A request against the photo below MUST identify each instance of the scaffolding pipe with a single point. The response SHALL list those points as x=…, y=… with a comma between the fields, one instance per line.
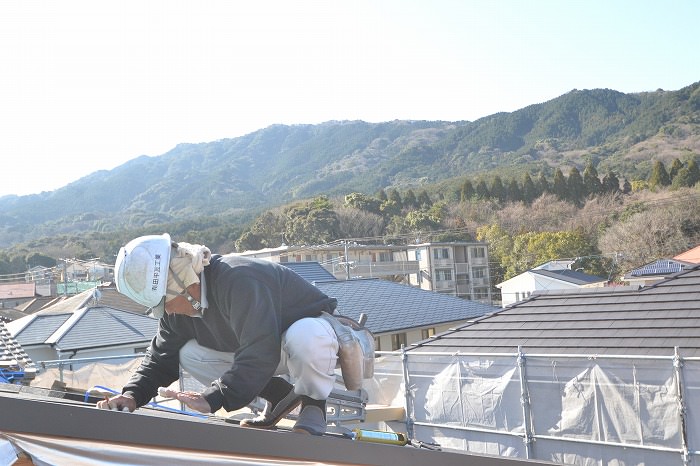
x=525, y=403
x=678, y=372
x=407, y=393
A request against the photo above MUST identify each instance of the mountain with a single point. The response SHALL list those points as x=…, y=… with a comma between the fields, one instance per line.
x=278, y=164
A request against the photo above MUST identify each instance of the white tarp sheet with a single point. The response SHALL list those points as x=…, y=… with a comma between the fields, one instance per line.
x=61, y=451
x=581, y=410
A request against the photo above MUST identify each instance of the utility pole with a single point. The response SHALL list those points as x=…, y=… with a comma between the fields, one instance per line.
x=347, y=261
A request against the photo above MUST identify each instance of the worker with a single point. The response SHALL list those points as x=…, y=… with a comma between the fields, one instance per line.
x=243, y=327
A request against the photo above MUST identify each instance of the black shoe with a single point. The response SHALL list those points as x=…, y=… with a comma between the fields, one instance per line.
x=281, y=400
x=312, y=419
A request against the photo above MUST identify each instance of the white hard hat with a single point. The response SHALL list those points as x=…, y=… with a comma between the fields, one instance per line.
x=141, y=271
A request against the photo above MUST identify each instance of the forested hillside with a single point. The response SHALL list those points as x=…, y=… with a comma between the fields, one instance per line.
x=401, y=179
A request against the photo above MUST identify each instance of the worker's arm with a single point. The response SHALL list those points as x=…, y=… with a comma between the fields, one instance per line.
x=118, y=403
x=160, y=366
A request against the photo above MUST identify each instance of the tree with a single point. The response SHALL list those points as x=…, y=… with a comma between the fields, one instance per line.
x=575, y=185
x=656, y=232
x=530, y=192
x=395, y=197
x=482, y=191
x=356, y=223
x=543, y=186
x=532, y=249
x=312, y=222
x=659, y=176
x=381, y=195
x=693, y=172
x=424, y=200
x=515, y=194
x=626, y=187
x=591, y=182
x=559, y=187
x=467, y=192
x=363, y=202
x=500, y=243
x=611, y=183
x=36, y=259
x=676, y=166
x=497, y=190
x=409, y=200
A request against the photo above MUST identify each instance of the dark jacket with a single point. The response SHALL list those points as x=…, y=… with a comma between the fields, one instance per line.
x=251, y=303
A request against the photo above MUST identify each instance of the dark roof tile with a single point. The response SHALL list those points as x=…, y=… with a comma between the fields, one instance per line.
x=615, y=321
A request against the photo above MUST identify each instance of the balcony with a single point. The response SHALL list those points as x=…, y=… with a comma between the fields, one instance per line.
x=444, y=285
x=373, y=269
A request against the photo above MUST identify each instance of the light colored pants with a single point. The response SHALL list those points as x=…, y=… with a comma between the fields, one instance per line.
x=309, y=355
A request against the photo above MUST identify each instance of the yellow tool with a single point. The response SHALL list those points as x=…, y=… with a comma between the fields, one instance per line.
x=376, y=436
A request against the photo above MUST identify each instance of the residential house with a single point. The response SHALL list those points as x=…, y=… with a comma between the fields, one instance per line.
x=655, y=272
x=575, y=376
x=84, y=326
x=13, y=295
x=8, y=315
x=15, y=364
x=692, y=255
x=455, y=268
x=553, y=275
x=397, y=314
x=345, y=259
x=43, y=278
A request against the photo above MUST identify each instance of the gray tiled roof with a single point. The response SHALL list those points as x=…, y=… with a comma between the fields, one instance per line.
x=36, y=329
x=611, y=320
x=310, y=271
x=11, y=350
x=91, y=327
x=569, y=276
x=102, y=326
x=391, y=307
x=107, y=296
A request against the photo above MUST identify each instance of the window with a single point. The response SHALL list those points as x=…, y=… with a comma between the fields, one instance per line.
x=397, y=341
x=377, y=344
x=384, y=257
x=479, y=272
x=427, y=333
x=481, y=293
x=418, y=254
x=441, y=253
x=479, y=252
x=443, y=274
x=140, y=350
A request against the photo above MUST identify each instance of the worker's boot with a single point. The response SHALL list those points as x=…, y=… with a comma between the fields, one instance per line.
x=312, y=418
x=281, y=399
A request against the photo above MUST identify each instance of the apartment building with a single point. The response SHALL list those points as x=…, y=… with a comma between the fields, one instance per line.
x=455, y=268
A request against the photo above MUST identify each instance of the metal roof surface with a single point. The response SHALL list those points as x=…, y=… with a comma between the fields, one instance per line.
x=310, y=271
x=613, y=320
x=103, y=326
x=391, y=307
x=569, y=276
x=91, y=327
x=161, y=437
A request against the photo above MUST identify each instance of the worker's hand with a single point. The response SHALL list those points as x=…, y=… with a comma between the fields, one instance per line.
x=193, y=400
x=119, y=403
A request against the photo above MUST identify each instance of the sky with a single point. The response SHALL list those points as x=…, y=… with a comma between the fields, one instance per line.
x=88, y=85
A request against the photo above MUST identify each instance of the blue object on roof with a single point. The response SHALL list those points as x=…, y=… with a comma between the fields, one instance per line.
x=660, y=267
